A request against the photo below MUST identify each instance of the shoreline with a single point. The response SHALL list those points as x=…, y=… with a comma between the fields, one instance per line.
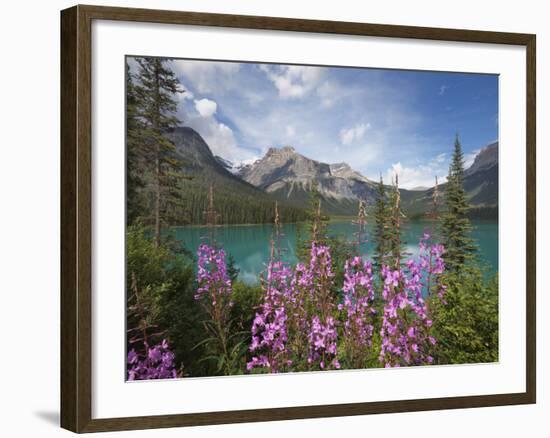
x=335, y=219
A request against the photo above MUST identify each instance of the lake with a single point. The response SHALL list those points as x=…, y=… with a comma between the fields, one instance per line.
x=250, y=244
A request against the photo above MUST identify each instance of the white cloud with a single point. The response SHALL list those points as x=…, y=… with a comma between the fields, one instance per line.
x=253, y=98
x=290, y=131
x=206, y=107
x=327, y=92
x=220, y=138
x=206, y=77
x=293, y=81
x=441, y=158
x=361, y=157
x=442, y=89
x=187, y=94
x=357, y=132
x=422, y=175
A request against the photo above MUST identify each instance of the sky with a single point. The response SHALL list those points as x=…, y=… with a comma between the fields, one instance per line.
x=379, y=121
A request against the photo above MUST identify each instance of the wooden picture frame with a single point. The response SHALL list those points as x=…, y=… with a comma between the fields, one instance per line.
x=76, y=217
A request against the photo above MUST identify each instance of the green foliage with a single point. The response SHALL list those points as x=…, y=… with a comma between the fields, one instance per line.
x=232, y=270
x=225, y=349
x=483, y=213
x=166, y=286
x=246, y=299
x=467, y=325
x=233, y=205
x=456, y=227
x=225, y=352
x=371, y=358
x=340, y=251
x=135, y=181
x=152, y=104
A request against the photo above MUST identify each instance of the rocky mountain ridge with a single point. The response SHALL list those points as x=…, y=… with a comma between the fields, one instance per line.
x=285, y=174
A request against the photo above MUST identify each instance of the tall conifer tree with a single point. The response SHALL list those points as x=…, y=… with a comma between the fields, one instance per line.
x=433, y=215
x=396, y=216
x=381, y=225
x=360, y=235
x=316, y=226
x=134, y=150
x=157, y=89
x=456, y=227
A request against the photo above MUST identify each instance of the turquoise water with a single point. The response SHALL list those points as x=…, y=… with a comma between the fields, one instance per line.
x=250, y=244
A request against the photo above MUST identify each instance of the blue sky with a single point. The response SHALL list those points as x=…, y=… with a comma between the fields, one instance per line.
x=378, y=121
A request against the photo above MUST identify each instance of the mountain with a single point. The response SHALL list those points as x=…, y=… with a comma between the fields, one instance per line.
x=202, y=164
x=480, y=184
x=285, y=175
x=236, y=200
x=194, y=152
x=228, y=165
x=485, y=159
x=288, y=175
x=233, y=167
x=481, y=178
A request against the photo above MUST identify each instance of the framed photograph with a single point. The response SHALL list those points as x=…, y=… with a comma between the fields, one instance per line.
x=269, y=218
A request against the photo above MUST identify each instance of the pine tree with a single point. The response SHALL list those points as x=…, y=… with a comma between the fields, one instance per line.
x=277, y=248
x=211, y=216
x=156, y=91
x=360, y=235
x=456, y=227
x=433, y=214
x=232, y=270
x=395, y=242
x=134, y=150
x=316, y=226
x=381, y=226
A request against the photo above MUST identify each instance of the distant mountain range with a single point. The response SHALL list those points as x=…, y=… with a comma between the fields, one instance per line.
x=199, y=161
x=480, y=184
x=481, y=180
x=236, y=201
x=288, y=176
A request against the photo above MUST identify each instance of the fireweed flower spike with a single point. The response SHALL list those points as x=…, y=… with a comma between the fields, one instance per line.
x=406, y=324
x=322, y=338
x=215, y=293
x=269, y=330
x=296, y=326
x=321, y=325
x=298, y=303
x=212, y=275
x=321, y=276
x=300, y=327
x=158, y=363
x=358, y=311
